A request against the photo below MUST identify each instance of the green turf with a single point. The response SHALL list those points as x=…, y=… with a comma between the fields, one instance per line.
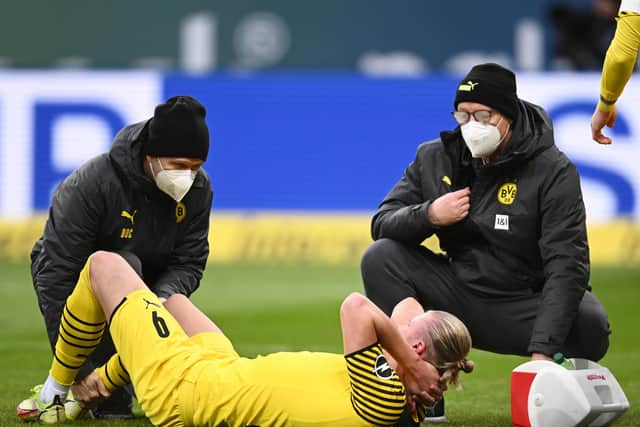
x=271, y=308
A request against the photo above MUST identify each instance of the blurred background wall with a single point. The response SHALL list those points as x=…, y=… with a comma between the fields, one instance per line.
x=315, y=108
x=375, y=36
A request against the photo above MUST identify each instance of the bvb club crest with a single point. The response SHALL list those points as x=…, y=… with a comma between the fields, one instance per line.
x=507, y=193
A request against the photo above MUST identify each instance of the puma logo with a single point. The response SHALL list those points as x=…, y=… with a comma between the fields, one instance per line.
x=149, y=303
x=468, y=86
x=129, y=216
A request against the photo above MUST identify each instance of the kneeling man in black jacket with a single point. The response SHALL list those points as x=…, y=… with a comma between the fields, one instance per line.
x=148, y=199
x=507, y=209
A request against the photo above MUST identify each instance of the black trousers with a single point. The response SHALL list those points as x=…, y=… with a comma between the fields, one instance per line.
x=392, y=271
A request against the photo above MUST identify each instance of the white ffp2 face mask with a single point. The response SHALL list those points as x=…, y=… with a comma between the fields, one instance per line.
x=481, y=139
x=175, y=182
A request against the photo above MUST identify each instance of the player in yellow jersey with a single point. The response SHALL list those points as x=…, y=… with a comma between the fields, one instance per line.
x=618, y=66
x=186, y=372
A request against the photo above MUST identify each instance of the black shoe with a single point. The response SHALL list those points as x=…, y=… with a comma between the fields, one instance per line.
x=435, y=414
x=118, y=406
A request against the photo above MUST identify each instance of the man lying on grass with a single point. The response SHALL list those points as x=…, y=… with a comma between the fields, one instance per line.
x=186, y=372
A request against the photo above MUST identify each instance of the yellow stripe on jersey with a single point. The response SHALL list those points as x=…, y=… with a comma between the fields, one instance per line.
x=377, y=394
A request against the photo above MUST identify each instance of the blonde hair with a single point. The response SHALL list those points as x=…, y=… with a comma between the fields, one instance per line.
x=450, y=346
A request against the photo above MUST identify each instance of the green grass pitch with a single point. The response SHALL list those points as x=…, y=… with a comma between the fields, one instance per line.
x=295, y=307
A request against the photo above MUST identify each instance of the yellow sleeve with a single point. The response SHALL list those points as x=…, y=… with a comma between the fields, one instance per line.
x=620, y=60
x=377, y=394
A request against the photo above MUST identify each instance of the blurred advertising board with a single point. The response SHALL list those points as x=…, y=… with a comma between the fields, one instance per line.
x=309, y=147
x=374, y=36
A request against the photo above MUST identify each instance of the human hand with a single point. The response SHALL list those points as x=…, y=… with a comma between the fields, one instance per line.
x=539, y=356
x=90, y=390
x=450, y=208
x=423, y=384
x=599, y=120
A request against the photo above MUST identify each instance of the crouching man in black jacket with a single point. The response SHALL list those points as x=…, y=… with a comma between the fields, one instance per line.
x=149, y=200
x=507, y=209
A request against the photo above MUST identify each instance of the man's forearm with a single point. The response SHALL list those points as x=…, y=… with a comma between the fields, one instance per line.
x=619, y=61
x=409, y=223
x=363, y=324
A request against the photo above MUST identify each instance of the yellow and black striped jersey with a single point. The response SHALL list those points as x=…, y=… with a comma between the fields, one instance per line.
x=300, y=389
x=202, y=381
x=377, y=395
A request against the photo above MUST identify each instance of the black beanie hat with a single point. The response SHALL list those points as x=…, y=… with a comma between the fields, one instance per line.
x=178, y=129
x=491, y=85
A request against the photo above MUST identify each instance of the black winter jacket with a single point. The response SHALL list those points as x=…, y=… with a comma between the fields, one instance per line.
x=110, y=204
x=525, y=231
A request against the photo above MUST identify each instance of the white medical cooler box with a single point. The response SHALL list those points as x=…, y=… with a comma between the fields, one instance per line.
x=546, y=394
